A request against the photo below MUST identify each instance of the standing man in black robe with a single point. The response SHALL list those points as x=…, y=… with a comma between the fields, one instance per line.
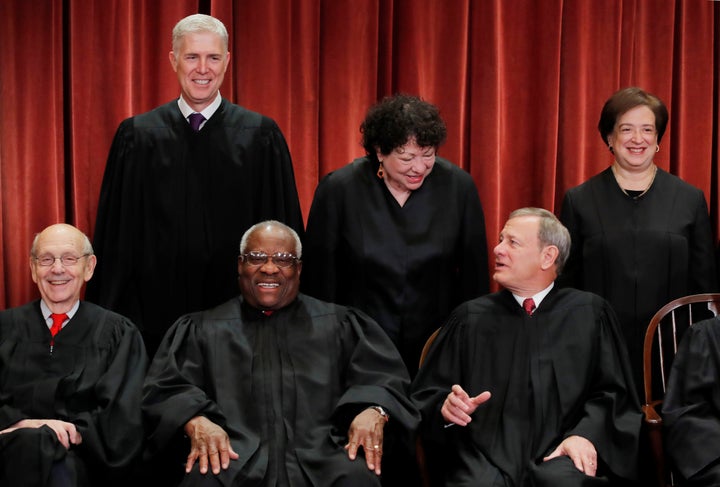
x=71, y=375
x=176, y=196
x=275, y=388
x=529, y=386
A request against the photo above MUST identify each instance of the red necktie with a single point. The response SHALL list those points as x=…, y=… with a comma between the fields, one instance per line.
x=58, y=320
x=529, y=306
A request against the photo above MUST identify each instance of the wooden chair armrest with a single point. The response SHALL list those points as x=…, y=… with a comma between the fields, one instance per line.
x=650, y=414
x=653, y=431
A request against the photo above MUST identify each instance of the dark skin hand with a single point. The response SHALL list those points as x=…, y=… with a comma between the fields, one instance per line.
x=366, y=430
x=209, y=444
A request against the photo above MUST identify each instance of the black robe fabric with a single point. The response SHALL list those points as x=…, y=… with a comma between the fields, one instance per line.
x=285, y=387
x=562, y=371
x=639, y=254
x=173, y=206
x=407, y=267
x=93, y=379
x=691, y=409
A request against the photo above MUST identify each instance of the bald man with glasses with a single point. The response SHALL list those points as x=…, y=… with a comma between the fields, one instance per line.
x=276, y=388
x=70, y=376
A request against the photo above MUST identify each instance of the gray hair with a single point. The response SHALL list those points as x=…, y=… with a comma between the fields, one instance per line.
x=198, y=23
x=551, y=232
x=271, y=223
x=86, y=245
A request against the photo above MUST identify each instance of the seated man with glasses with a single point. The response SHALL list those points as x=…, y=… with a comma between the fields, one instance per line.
x=275, y=387
x=70, y=376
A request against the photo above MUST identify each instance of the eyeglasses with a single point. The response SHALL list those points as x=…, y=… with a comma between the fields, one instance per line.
x=66, y=260
x=280, y=259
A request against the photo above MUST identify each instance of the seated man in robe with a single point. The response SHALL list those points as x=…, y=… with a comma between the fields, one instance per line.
x=529, y=386
x=276, y=388
x=691, y=409
x=71, y=377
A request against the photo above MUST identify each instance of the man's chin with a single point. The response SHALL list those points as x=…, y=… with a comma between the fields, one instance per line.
x=499, y=278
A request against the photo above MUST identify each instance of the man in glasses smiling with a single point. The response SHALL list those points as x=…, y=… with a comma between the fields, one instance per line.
x=70, y=376
x=280, y=388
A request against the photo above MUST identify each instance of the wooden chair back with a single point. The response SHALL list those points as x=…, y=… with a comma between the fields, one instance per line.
x=419, y=450
x=661, y=343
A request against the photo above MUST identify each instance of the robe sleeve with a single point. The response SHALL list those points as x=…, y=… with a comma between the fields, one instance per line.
x=572, y=273
x=473, y=265
x=278, y=196
x=702, y=265
x=611, y=419
x=174, y=389
x=116, y=227
x=375, y=375
x=691, y=405
x=320, y=248
x=442, y=368
x=113, y=431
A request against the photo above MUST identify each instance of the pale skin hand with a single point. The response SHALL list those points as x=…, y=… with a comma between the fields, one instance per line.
x=67, y=433
x=366, y=430
x=458, y=405
x=580, y=450
x=209, y=443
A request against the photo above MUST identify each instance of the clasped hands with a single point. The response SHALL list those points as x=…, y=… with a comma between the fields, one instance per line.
x=210, y=445
x=458, y=406
x=66, y=433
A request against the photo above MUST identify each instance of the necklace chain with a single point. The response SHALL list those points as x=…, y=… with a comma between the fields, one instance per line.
x=625, y=191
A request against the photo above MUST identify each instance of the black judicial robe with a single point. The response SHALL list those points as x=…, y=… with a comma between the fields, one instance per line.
x=174, y=204
x=639, y=254
x=93, y=379
x=691, y=409
x=562, y=371
x=285, y=387
x=407, y=267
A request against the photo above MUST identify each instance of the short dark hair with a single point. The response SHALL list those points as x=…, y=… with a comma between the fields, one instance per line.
x=626, y=99
x=396, y=119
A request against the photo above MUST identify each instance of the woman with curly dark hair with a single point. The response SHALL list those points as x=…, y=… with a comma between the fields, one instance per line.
x=400, y=232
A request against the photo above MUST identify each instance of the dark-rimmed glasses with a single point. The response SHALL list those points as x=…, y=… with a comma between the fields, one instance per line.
x=66, y=260
x=280, y=259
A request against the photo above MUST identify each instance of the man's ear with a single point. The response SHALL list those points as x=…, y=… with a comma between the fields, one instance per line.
x=173, y=60
x=548, y=257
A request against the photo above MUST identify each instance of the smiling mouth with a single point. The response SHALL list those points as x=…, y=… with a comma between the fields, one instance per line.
x=203, y=82
x=268, y=285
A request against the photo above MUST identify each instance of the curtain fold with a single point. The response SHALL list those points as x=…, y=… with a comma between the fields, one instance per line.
x=519, y=83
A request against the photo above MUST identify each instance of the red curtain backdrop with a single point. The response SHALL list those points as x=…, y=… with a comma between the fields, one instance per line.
x=520, y=84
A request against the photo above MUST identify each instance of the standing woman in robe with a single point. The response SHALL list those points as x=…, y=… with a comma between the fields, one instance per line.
x=641, y=237
x=400, y=232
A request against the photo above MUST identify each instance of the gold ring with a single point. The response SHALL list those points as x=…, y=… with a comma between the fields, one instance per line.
x=377, y=447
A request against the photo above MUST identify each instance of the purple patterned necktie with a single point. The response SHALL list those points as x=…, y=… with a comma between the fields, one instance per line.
x=195, y=120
